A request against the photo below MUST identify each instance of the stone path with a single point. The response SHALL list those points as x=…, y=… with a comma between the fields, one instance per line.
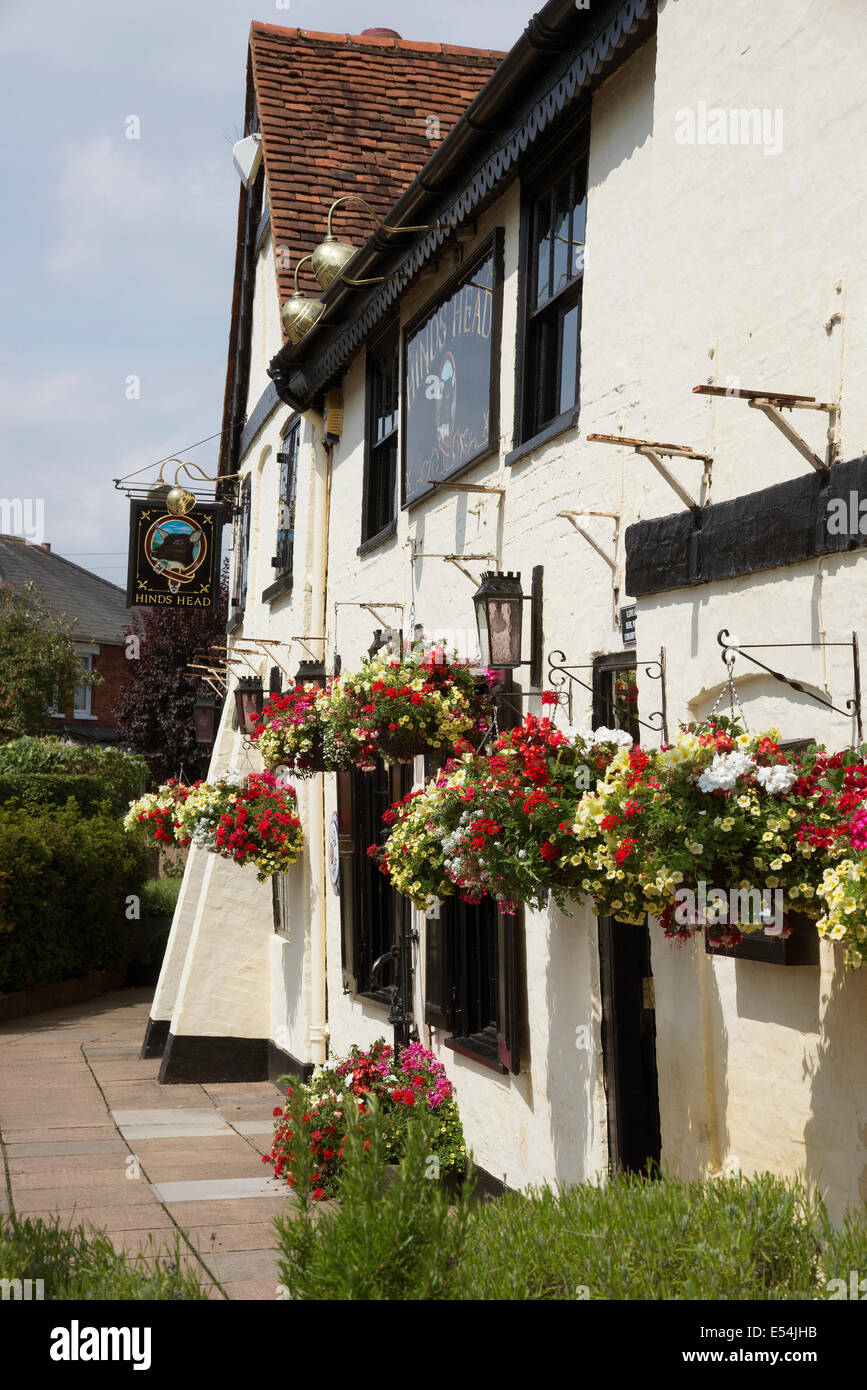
x=87, y=1131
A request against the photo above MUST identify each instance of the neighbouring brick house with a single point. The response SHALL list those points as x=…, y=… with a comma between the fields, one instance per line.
x=101, y=616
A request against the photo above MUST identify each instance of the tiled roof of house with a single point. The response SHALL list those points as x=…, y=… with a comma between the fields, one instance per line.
x=350, y=113
x=99, y=606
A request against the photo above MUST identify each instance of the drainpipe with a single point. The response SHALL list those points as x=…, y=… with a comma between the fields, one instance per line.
x=318, y=1030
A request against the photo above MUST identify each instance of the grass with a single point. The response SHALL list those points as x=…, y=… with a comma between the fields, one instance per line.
x=78, y=1264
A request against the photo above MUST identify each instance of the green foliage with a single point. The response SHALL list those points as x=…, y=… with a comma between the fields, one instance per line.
x=36, y=789
x=392, y=1234
x=633, y=1238
x=119, y=774
x=159, y=897
x=64, y=880
x=38, y=662
x=76, y=1264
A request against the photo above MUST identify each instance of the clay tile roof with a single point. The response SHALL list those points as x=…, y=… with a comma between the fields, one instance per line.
x=348, y=113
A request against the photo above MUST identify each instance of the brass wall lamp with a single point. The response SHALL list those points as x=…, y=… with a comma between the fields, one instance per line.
x=300, y=311
x=331, y=255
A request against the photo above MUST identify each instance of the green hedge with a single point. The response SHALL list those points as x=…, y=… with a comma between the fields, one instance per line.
x=34, y=789
x=77, y=769
x=64, y=881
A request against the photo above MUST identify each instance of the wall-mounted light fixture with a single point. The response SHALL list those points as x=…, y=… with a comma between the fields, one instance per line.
x=300, y=311
x=499, y=602
x=205, y=715
x=311, y=673
x=331, y=255
x=249, y=702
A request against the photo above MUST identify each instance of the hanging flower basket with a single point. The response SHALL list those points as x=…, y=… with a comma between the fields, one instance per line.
x=290, y=734
x=396, y=708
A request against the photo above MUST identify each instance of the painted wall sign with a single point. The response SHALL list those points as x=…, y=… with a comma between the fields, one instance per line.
x=174, y=561
x=451, y=355
x=627, y=625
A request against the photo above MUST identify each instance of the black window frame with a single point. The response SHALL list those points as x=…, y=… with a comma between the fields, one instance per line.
x=241, y=576
x=539, y=410
x=466, y=943
x=381, y=446
x=284, y=559
x=371, y=911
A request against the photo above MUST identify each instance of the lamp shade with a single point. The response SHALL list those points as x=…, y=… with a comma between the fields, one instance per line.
x=205, y=715
x=311, y=673
x=499, y=603
x=249, y=701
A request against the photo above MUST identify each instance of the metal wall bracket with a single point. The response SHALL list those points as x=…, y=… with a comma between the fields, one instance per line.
x=656, y=452
x=853, y=705
x=559, y=674
x=610, y=560
x=770, y=403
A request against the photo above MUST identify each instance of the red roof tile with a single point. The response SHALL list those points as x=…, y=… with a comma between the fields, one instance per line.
x=348, y=113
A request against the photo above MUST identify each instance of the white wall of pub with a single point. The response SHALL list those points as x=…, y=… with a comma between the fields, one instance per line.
x=731, y=264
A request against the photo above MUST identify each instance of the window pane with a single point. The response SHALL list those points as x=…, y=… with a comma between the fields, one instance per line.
x=542, y=248
x=562, y=211
x=569, y=357
x=579, y=229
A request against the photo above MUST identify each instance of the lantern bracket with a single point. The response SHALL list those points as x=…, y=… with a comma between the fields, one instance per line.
x=770, y=403
x=559, y=673
x=655, y=453
x=853, y=705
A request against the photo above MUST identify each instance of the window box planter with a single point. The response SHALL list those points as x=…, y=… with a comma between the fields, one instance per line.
x=801, y=948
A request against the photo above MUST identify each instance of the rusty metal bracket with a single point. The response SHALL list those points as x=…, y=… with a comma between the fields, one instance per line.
x=771, y=403
x=655, y=453
x=610, y=560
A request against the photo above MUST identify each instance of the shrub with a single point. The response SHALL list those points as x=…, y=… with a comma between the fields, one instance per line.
x=159, y=897
x=37, y=761
x=64, y=880
x=37, y=789
x=408, y=1087
x=632, y=1238
x=392, y=1235
x=75, y=1264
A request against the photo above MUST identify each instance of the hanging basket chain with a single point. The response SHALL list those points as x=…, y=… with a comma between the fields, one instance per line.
x=736, y=709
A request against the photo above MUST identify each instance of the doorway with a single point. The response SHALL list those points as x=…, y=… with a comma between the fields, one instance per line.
x=628, y=1004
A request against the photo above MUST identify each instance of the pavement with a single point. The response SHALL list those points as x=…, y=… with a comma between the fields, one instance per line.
x=87, y=1132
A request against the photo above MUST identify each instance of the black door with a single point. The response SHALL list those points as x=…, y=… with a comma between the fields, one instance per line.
x=628, y=1016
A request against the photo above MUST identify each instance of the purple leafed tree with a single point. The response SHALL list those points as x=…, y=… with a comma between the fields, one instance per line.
x=155, y=707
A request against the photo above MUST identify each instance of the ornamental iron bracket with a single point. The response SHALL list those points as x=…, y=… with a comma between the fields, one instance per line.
x=730, y=645
x=559, y=674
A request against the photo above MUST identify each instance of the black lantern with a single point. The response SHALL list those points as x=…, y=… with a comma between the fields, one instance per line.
x=205, y=714
x=499, y=602
x=380, y=640
x=311, y=673
x=249, y=700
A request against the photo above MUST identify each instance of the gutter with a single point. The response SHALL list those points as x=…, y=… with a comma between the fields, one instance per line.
x=558, y=28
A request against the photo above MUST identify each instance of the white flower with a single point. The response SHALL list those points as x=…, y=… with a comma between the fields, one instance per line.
x=777, y=779
x=618, y=736
x=724, y=771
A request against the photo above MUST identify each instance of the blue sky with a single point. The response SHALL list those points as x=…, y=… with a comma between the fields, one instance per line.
x=117, y=254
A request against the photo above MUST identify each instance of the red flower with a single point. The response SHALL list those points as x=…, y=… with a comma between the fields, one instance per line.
x=550, y=697
x=549, y=851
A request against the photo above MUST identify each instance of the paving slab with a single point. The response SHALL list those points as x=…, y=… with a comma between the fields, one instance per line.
x=230, y=1211
x=255, y=1235
x=235, y=1266
x=135, y=1133
x=214, y=1189
x=252, y=1291
x=103, y=1218
x=65, y=1148
x=59, y=1178
x=33, y=1134
x=253, y=1126
x=120, y=1194
x=62, y=1166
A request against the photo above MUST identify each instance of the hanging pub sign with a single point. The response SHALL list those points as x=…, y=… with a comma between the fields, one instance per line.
x=174, y=561
x=451, y=357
